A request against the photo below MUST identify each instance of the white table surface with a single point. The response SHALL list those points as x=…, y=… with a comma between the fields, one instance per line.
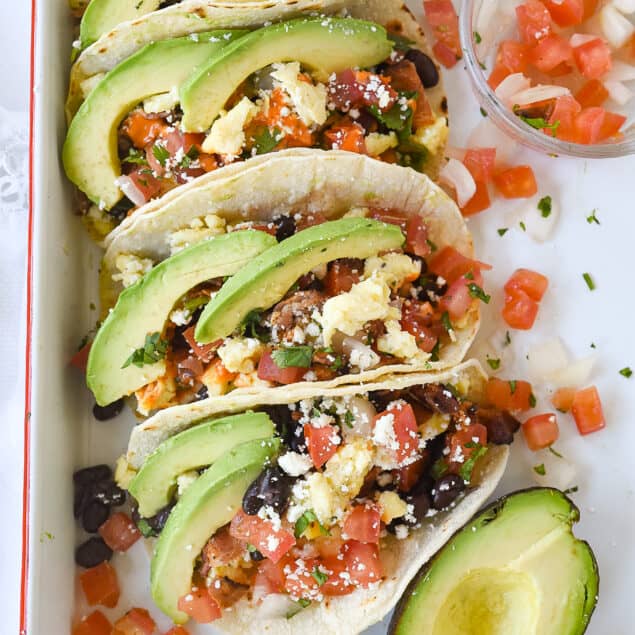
x=606, y=477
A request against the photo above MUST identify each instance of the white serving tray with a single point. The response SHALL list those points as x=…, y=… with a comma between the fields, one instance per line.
x=61, y=434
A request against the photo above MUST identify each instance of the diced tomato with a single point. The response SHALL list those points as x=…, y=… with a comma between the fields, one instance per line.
x=405, y=428
x=200, y=606
x=272, y=543
x=119, y=532
x=540, y=431
x=362, y=562
x=80, y=358
x=463, y=443
x=178, y=630
x=270, y=577
x=566, y=12
x=100, y=585
x=416, y=319
x=611, y=125
x=352, y=89
x=341, y=275
x=281, y=116
x=310, y=219
x=519, y=311
x=363, y=523
x=550, y=51
x=270, y=371
x=589, y=8
x=404, y=78
x=479, y=202
x=593, y=93
x=516, y=182
x=480, y=163
x=534, y=284
x=346, y=135
x=94, y=624
x=451, y=265
x=142, y=130
x=409, y=475
x=587, y=410
x=457, y=299
x=444, y=21
x=534, y=21
x=445, y=55
x=512, y=395
x=299, y=579
x=146, y=183
x=337, y=583
x=513, y=56
x=588, y=125
x=321, y=442
x=562, y=399
x=564, y=113
x=593, y=58
x=417, y=237
x=205, y=352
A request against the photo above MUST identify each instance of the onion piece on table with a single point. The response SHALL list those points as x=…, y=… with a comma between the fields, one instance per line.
x=559, y=472
x=455, y=174
x=538, y=227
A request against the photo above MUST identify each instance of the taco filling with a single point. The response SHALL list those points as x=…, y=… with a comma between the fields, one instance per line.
x=402, y=304
x=353, y=474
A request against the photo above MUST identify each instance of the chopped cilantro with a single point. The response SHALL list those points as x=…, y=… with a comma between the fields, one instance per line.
x=592, y=218
x=502, y=231
x=478, y=293
x=266, y=141
x=555, y=453
x=477, y=37
x=338, y=362
x=305, y=520
x=400, y=43
x=153, y=350
x=160, y=153
x=523, y=226
x=136, y=156
x=293, y=356
x=399, y=117
x=571, y=490
x=144, y=527
x=494, y=364
x=540, y=123
x=593, y=345
x=483, y=112
x=250, y=326
x=508, y=339
x=302, y=603
x=465, y=471
x=482, y=66
x=540, y=469
x=251, y=548
x=432, y=246
x=512, y=386
x=434, y=353
x=544, y=206
x=589, y=281
x=445, y=320
x=189, y=157
x=626, y=372
x=532, y=400
x=348, y=418
x=318, y=576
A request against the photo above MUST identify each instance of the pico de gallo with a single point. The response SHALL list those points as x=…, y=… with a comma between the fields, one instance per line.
x=415, y=302
x=564, y=73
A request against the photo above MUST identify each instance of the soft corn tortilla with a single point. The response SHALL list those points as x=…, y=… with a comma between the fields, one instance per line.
x=195, y=16
x=291, y=181
x=402, y=559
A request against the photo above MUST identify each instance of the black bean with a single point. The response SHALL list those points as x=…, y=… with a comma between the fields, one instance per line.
x=500, y=424
x=281, y=417
x=285, y=227
x=92, y=552
x=297, y=442
x=426, y=68
x=202, y=393
x=421, y=503
x=381, y=398
x=155, y=523
x=108, y=493
x=104, y=413
x=94, y=515
x=92, y=474
x=256, y=556
x=446, y=490
x=272, y=488
x=429, y=289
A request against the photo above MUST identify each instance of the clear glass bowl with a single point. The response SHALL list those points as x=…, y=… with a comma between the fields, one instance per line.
x=512, y=125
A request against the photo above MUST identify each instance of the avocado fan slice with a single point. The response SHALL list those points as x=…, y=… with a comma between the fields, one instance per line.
x=90, y=153
x=102, y=16
x=194, y=448
x=206, y=505
x=326, y=45
x=143, y=309
x=266, y=279
x=515, y=569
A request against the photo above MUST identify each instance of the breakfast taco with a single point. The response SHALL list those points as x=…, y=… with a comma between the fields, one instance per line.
x=163, y=104
x=289, y=508
x=320, y=267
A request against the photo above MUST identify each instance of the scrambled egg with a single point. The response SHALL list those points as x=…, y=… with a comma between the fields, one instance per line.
x=393, y=268
x=377, y=143
x=308, y=99
x=401, y=344
x=241, y=354
x=162, y=102
x=392, y=506
x=227, y=135
x=198, y=230
x=433, y=137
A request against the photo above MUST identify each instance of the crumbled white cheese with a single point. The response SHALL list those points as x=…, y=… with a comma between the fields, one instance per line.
x=295, y=464
x=434, y=426
x=377, y=143
x=241, y=354
x=227, y=135
x=434, y=136
x=363, y=357
x=342, y=311
x=308, y=99
x=180, y=317
x=401, y=532
x=162, y=102
x=131, y=268
x=401, y=344
x=393, y=268
x=183, y=481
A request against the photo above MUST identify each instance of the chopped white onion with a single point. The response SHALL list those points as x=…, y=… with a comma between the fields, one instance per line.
x=618, y=92
x=559, y=471
x=616, y=28
x=128, y=187
x=363, y=413
x=546, y=358
x=454, y=173
x=541, y=92
x=575, y=375
x=624, y=6
x=487, y=135
x=510, y=86
x=578, y=39
x=538, y=227
x=620, y=72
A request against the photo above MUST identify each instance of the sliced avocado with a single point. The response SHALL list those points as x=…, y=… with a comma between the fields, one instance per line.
x=199, y=446
x=90, y=152
x=515, y=569
x=208, y=504
x=102, y=16
x=266, y=279
x=144, y=307
x=326, y=45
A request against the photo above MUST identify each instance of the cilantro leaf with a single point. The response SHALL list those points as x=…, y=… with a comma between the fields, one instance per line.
x=502, y=231
x=160, y=153
x=626, y=372
x=532, y=400
x=589, y=281
x=250, y=326
x=348, y=419
x=465, y=471
x=512, y=386
x=266, y=141
x=540, y=123
x=293, y=356
x=318, y=576
x=544, y=206
x=555, y=453
x=445, y=321
x=592, y=218
x=478, y=293
x=153, y=350
x=494, y=364
x=477, y=37
x=439, y=468
x=305, y=520
x=540, y=469
x=189, y=157
x=136, y=156
x=399, y=117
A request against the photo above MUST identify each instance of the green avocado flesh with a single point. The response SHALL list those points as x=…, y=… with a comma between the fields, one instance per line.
x=102, y=16
x=208, y=504
x=516, y=569
x=266, y=279
x=326, y=45
x=154, y=485
x=90, y=152
x=143, y=309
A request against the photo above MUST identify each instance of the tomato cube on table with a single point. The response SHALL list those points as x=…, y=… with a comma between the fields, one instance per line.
x=516, y=182
x=540, y=431
x=119, y=532
x=100, y=585
x=94, y=624
x=534, y=284
x=587, y=410
x=519, y=311
x=135, y=622
x=562, y=399
x=513, y=395
x=479, y=202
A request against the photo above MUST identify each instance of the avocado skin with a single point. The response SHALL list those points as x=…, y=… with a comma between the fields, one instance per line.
x=144, y=307
x=267, y=278
x=207, y=505
x=412, y=605
x=326, y=45
x=196, y=447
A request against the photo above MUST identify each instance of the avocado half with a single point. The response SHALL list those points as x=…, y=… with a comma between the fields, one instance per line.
x=515, y=569
x=326, y=45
